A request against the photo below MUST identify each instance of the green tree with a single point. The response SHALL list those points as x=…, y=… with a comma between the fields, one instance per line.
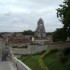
x=28, y=32
x=64, y=56
x=59, y=35
x=64, y=14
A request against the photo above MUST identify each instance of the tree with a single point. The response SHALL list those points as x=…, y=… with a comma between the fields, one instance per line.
x=59, y=35
x=64, y=55
x=28, y=32
x=64, y=14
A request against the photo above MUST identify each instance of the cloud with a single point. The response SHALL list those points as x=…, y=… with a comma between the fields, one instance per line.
x=19, y=15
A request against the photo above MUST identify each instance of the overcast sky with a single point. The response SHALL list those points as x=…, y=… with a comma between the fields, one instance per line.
x=20, y=15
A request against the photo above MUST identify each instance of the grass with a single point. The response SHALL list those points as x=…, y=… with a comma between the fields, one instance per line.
x=32, y=61
x=53, y=62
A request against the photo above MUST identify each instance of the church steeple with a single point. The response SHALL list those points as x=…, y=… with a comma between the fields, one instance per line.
x=40, y=31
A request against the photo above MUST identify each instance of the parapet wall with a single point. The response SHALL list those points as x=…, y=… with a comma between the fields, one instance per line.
x=19, y=64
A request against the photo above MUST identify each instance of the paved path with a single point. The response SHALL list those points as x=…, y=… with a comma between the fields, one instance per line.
x=7, y=65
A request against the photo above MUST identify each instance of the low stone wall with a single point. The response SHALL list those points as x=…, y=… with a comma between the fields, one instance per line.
x=58, y=45
x=32, y=49
x=19, y=64
x=20, y=51
x=37, y=48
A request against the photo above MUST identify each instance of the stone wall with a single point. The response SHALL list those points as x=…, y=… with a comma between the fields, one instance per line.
x=37, y=48
x=32, y=49
x=58, y=45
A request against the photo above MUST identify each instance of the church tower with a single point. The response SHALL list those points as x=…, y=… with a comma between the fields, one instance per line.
x=40, y=31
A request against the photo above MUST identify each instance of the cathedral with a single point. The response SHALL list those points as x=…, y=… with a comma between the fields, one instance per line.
x=40, y=31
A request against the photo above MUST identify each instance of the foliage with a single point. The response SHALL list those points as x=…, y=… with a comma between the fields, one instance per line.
x=14, y=46
x=54, y=50
x=20, y=46
x=59, y=35
x=28, y=32
x=49, y=33
x=53, y=62
x=64, y=54
x=64, y=14
x=41, y=60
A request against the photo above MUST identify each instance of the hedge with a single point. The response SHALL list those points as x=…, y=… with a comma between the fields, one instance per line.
x=41, y=60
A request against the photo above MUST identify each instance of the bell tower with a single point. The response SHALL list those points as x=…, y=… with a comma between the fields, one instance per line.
x=40, y=31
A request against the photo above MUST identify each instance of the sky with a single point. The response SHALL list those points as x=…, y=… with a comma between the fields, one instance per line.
x=20, y=15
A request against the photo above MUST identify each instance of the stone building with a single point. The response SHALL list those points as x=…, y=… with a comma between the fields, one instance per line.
x=40, y=31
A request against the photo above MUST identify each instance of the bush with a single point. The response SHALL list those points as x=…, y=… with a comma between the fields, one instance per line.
x=41, y=61
x=66, y=51
x=14, y=46
x=20, y=46
x=54, y=50
x=63, y=59
x=63, y=55
x=24, y=46
x=68, y=63
x=59, y=35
